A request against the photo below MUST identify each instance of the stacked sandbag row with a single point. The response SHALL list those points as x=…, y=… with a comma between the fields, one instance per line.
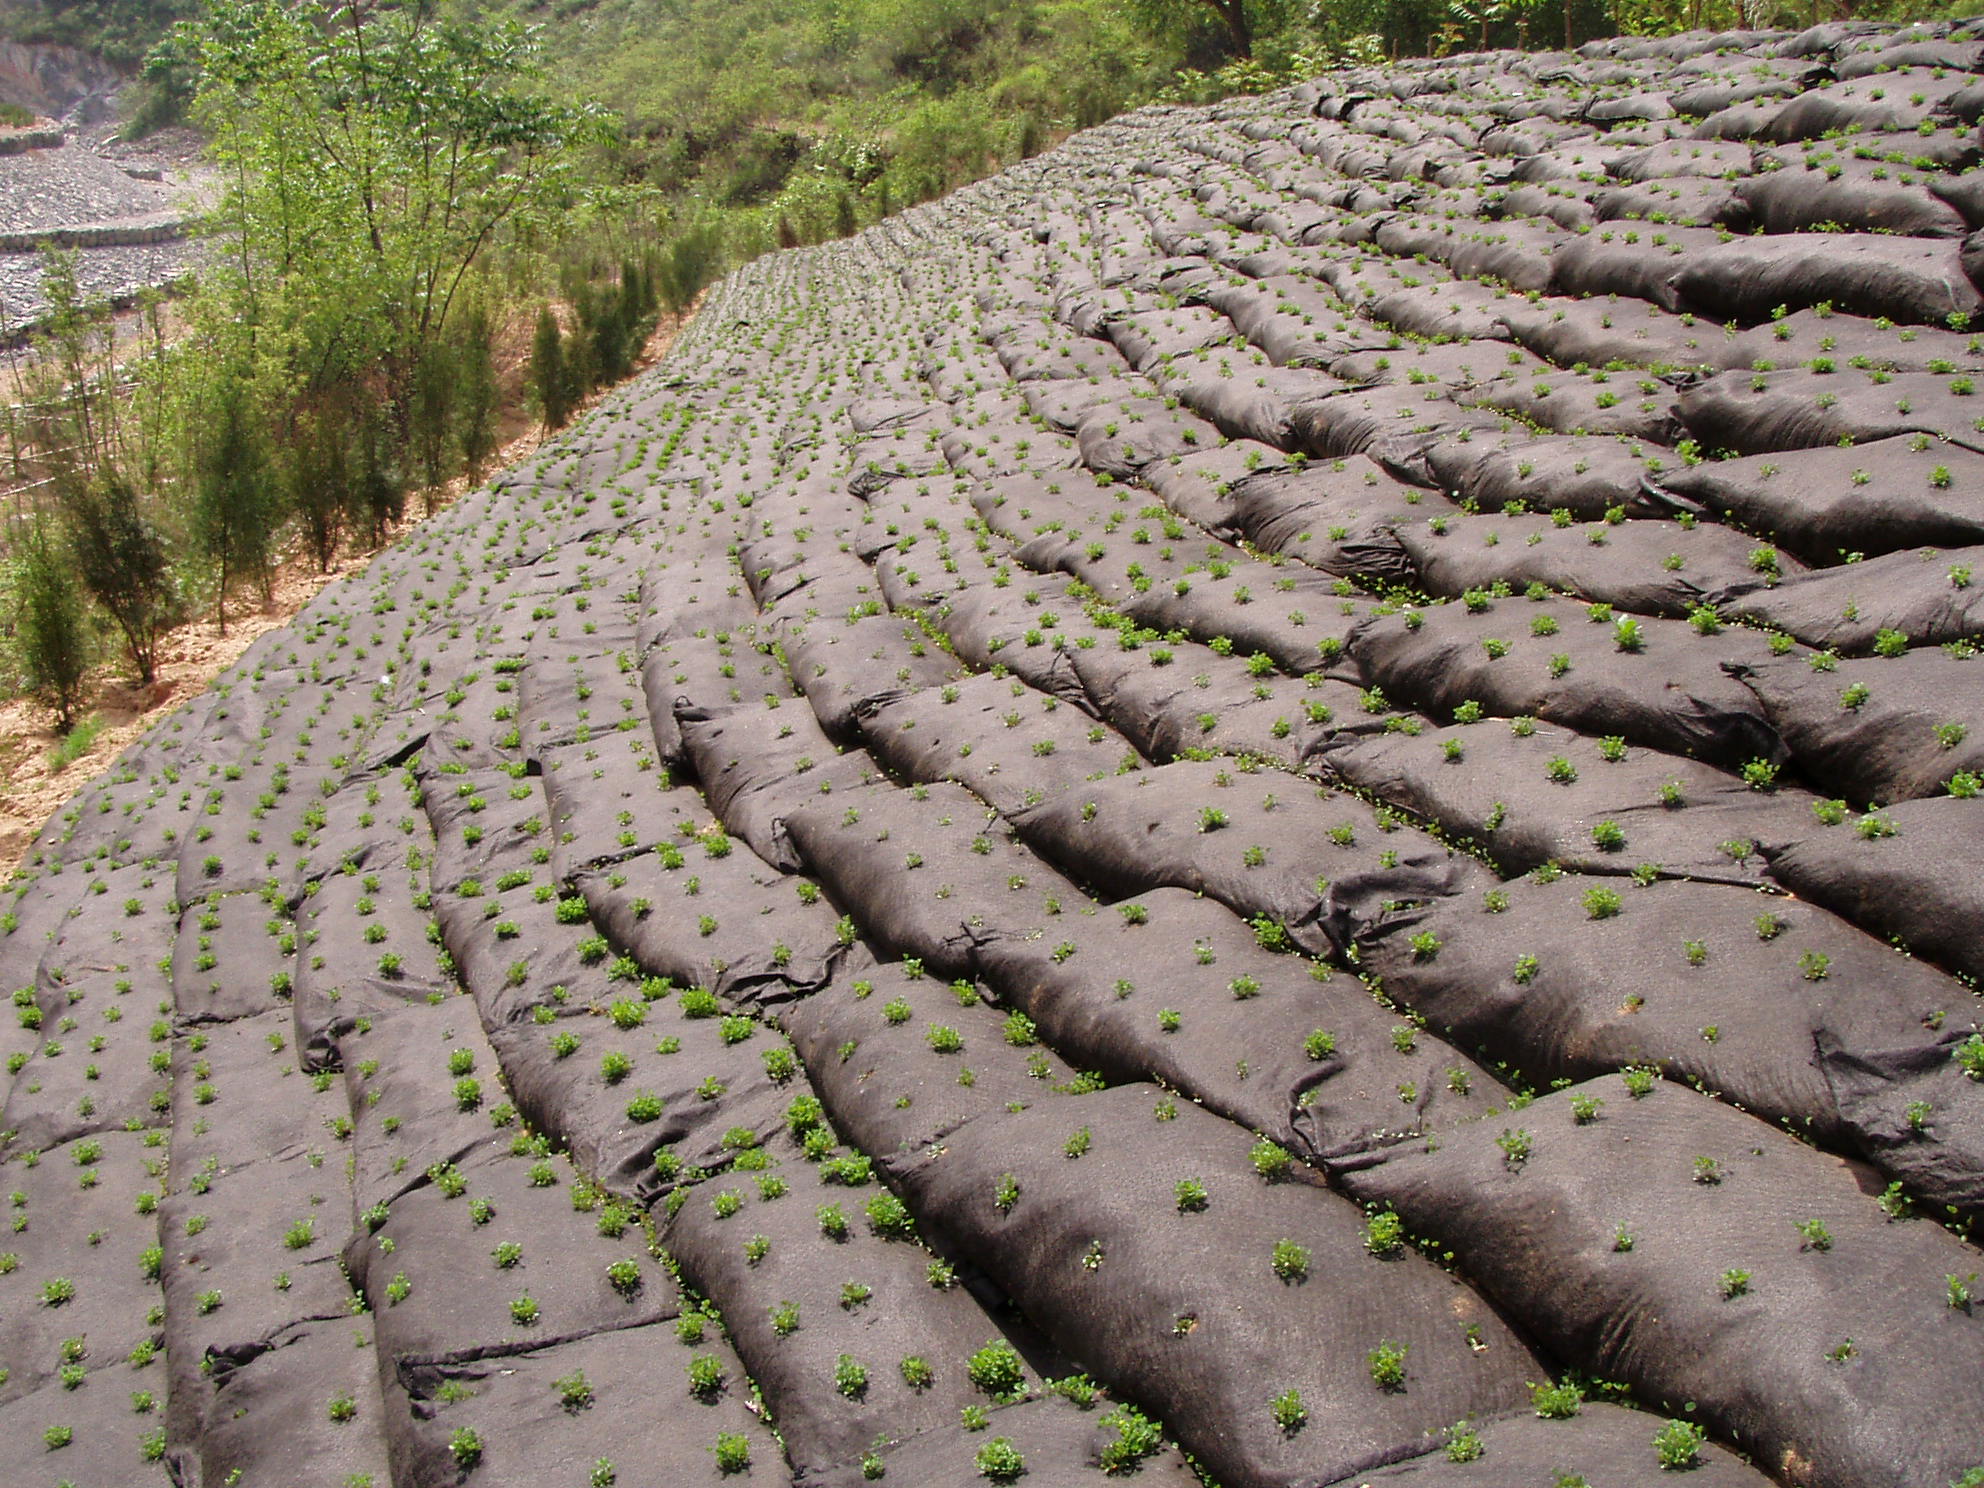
x=980, y=880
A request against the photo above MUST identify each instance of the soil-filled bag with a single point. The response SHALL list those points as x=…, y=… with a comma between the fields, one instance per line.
x=1924, y=595
x=1336, y=515
x=1644, y=568
x=921, y=870
x=998, y=737
x=1026, y=624
x=1918, y=281
x=1175, y=988
x=900, y=1058
x=1633, y=261
x=1804, y=408
x=1529, y=793
x=1871, y=345
x=722, y=670
x=1694, y=1253
x=1587, y=475
x=826, y=1296
x=1832, y=199
x=1319, y=863
x=1134, y=1229
x=270, y=1417
x=554, y=1412
x=757, y=764
x=1599, y=332
x=1649, y=681
x=1291, y=613
x=1824, y=504
x=1599, y=1443
x=1196, y=700
x=1878, y=729
x=1056, y=1442
x=607, y=800
x=617, y=1079
x=711, y=914
x=841, y=666
x=1756, y=998
x=1920, y=884
x=1622, y=405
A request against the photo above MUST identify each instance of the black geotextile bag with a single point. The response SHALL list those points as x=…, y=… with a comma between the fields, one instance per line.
x=447, y=1308
x=110, y=1295
x=1875, y=729
x=921, y=870
x=842, y=666
x=878, y=1047
x=1925, y=595
x=1629, y=407
x=614, y=1079
x=1291, y=613
x=1913, y=280
x=1715, y=985
x=1317, y=862
x=1200, y=701
x=996, y=736
x=1826, y=503
x=1587, y=475
x=270, y=1420
x=1642, y=567
x=228, y=958
x=825, y=1293
x=410, y=1109
x=710, y=674
x=1649, y=681
x=551, y=1412
x=1120, y=438
x=1795, y=340
x=1461, y=310
x=1601, y=331
x=1200, y=487
x=607, y=799
x=1835, y=197
x=1634, y=261
x=1694, y=1253
x=106, y=1436
x=1242, y=400
x=712, y=914
x=1273, y=1041
x=1335, y=515
x=1541, y=794
x=347, y=970
x=1059, y=1444
x=1920, y=885
x=757, y=764
x=1132, y=1227
x=484, y=822
x=1361, y=419
x=1598, y=1443
x=1027, y=630
x=1803, y=408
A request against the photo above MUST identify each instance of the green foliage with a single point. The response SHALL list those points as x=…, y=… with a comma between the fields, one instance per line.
x=51, y=630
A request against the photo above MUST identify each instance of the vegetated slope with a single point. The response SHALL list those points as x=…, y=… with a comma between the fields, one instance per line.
x=1038, y=801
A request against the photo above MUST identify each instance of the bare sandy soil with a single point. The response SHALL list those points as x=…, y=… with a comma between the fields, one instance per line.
x=196, y=653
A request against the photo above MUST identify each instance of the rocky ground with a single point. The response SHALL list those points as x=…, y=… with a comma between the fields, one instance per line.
x=124, y=207
x=1289, y=798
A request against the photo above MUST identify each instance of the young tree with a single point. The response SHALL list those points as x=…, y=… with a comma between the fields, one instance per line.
x=51, y=629
x=547, y=370
x=372, y=155
x=121, y=560
x=477, y=392
x=233, y=512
